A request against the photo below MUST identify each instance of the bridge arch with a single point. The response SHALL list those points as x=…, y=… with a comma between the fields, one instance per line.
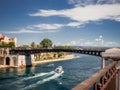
x=7, y=60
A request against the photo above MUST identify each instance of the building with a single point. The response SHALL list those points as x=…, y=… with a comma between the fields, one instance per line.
x=8, y=60
x=14, y=40
x=7, y=40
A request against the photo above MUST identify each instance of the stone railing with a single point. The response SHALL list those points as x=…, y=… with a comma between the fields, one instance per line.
x=104, y=79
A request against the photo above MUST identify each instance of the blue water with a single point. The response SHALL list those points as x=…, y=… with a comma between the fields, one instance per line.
x=41, y=77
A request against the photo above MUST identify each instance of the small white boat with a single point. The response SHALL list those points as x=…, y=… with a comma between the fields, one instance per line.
x=59, y=70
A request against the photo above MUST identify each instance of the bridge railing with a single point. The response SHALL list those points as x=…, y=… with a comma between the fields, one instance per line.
x=104, y=79
x=115, y=56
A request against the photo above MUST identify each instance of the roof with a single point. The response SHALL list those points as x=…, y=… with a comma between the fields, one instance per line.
x=1, y=36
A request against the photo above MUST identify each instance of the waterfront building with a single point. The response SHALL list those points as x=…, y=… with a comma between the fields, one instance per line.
x=8, y=40
x=15, y=60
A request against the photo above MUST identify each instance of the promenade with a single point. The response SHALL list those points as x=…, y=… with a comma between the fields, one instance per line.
x=67, y=57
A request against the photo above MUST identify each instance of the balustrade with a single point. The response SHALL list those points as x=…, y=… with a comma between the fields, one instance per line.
x=104, y=79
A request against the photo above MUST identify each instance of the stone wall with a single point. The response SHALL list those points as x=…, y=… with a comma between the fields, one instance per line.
x=16, y=60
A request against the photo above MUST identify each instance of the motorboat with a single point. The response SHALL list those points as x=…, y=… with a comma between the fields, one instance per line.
x=59, y=70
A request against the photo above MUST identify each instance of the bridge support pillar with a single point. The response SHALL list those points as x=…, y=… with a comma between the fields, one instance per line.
x=25, y=60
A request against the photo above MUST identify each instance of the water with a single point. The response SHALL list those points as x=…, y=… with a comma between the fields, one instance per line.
x=42, y=77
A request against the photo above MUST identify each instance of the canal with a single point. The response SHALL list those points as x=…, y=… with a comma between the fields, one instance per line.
x=41, y=76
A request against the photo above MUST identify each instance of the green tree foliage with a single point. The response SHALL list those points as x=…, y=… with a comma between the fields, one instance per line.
x=39, y=46
x=4, y=44
x=63, y=47
x=59, y=47
x=60, y=54
x=46, y=43
x=11, y=44
x=25, y=46
x=33, y=44
x=68, y=47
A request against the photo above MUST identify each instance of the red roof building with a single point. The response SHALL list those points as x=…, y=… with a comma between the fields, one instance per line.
x=8, y=39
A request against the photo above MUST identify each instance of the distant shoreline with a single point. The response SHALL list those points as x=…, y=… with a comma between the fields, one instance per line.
x=67, y=57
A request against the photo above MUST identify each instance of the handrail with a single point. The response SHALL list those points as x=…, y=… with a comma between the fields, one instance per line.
x=91, y=81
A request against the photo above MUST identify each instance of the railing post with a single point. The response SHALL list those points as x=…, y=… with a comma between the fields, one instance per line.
x=99, y=86
x=103, y=63
x=95, y=86
x=118, y=80
x=112, y=84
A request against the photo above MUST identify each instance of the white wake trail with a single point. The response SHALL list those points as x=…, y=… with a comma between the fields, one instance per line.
x=56, y=75
x=35, y=76
x=38, y=75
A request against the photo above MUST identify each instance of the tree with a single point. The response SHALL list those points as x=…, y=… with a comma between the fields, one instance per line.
x=68, y=47
x=60, y=54
x=33, y=44
x=25, y=46
x=4, y=44
x=39, y=46
x=46, y=43
x=11, y=44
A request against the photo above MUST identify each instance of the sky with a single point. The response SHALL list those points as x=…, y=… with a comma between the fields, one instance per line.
x=65, y=22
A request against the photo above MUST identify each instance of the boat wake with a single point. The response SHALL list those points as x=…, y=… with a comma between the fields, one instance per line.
x=32, y=77
x=46, y=77
x=50, y=65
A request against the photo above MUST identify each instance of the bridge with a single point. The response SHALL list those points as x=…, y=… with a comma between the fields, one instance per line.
x=87, y=51
x=19, y=57
x=105, y=79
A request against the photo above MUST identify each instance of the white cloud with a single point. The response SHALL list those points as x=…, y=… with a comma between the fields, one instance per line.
x=100, y=41
x=74, y=24
x=81, y=2
x=92, y=2
x=96, y=42
x=84, y=14
x=73, y=43
x=111, y=43
x=38, y=28
x=48, y=26
x=107, y=1
x=100, y=36
x=45, y=13
x=21, y=31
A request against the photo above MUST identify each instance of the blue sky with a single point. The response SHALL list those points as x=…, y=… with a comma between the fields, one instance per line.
x=65, y=22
